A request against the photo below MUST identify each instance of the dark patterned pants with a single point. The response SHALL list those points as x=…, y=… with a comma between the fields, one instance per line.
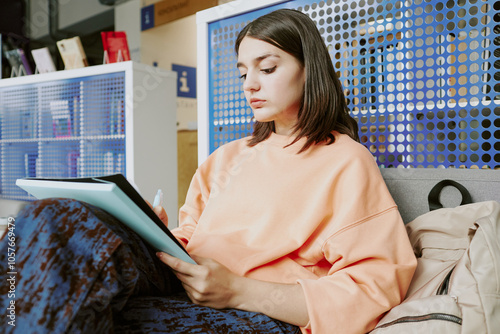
x=72, y=268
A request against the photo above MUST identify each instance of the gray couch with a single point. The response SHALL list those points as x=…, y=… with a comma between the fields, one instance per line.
x=410, y=187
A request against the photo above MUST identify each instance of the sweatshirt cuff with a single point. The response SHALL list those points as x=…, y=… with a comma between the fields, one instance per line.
x=307, y=327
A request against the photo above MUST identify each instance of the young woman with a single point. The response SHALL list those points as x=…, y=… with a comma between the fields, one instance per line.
x=292, y=228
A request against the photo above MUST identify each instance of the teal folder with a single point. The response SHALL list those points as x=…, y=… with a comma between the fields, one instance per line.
x=115, y=195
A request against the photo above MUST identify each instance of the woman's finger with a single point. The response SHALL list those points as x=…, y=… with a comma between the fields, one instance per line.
x=162, y=214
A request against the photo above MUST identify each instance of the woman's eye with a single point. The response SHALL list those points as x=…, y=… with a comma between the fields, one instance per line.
x=243, y=76
x=268, y=70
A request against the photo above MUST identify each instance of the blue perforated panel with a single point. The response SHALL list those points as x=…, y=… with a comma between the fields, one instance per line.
x=421, y=77
x=63, y=128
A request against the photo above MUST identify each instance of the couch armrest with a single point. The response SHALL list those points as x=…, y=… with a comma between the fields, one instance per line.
x=410, y=187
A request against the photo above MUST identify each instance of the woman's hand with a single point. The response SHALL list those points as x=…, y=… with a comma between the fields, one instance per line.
x=209, y=283
x=160, y=212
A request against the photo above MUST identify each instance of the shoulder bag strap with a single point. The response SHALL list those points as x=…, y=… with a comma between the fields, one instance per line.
x=433, y=197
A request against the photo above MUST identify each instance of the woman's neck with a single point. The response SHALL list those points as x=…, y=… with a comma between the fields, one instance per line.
x=284, y=129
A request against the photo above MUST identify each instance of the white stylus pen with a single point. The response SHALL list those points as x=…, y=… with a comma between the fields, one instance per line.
x=158, y=198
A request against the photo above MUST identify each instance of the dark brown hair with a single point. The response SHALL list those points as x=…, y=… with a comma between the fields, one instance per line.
x=324, y=107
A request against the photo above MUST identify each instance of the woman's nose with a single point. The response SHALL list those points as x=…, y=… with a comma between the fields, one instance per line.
x=250, y=83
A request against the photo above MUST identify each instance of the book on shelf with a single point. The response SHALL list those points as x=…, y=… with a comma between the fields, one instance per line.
x=30, y=160
x=19, y=62
x=120, y=163
x=1, y=57
x=43, y=60
x=75, y=113
x=73, y=160
x=14, y=60
x=117, y=117
x=28, y=124
x=113, y=163
x=115, y=46
x=61, y=118
x=115, y=195
x=72, y=53
x=109, y=162
x=25, y=61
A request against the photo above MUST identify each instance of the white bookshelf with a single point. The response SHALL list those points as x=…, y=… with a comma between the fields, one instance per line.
x=114, y=118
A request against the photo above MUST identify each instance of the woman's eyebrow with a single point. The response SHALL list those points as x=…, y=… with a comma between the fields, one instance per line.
x=259, y=59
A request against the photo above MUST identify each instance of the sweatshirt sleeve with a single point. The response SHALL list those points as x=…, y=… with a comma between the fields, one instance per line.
x=190, y=212
x=371, y=268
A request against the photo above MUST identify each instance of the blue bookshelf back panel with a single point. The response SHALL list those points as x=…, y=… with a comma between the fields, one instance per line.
x=59, y=129
x=422, y=78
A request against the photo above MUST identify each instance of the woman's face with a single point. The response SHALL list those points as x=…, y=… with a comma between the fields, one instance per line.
x=273, y=82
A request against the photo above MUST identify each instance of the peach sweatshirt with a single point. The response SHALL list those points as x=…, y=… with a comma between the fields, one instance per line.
x=322, y=218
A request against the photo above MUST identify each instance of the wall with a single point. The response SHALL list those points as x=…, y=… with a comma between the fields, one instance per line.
x=175, y=43
x=127, y=18
x=422, y=78
x=75, y=16
x=171, y=43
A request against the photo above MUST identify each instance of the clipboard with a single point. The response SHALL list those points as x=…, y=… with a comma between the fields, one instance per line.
x=115, y=195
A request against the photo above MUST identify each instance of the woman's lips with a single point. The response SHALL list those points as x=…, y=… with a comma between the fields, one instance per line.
x=257, y=103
